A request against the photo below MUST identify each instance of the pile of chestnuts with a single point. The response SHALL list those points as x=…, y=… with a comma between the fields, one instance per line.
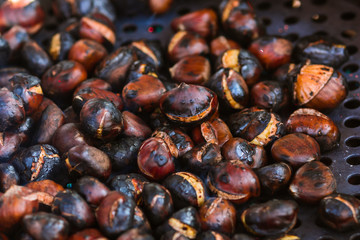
x=187, y=141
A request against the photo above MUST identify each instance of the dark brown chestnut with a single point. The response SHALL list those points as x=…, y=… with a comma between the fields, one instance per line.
x=160, y=6
x=7, y=73
x=256, y=126
x=139, y=68
x=71, y=116
x=272, y=51
x=185, y=43
x=203, y=22
x=60, y=46
x=316, y=125
x=221, y=44
x=154, y=159
x=10, y=143
x=295, y=149
x=34, y=58
x=340, y=212
x=218, y=215
x=269, y=95
x=243, y=236
x=252, y=155
x=186, y=189
x=134, y=126
x=317, y=86
x=189, y=104
x=36, y=116
x=135, y=234
x=312, y=182
x=214, y=131
x=92, y=190
x=16, y=36
x=8, y=176
x=233, y=180
x=12, y=110
x=67, y=136
x=274, y=217
x=93, y=83
x=274, y=177
x=87, y=234
x=149, y=52
x=243, y=62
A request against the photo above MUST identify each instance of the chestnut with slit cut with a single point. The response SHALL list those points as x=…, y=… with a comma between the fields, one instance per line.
x=149, y=52
x=243, y=62
x=233, y=180
x=139, y=68
x=92, y=190
x=12, y=110
x=221, y=44
x=154, y=159
x=252, y=155
x=60, y=45
x=295, y=149
x=274, y=217
x=274, y=177
x=214, y=131
x=189, y=104
x=312, y=182
x=269, y=95
x=316, y=125
x=34, y=58
x=130, y=185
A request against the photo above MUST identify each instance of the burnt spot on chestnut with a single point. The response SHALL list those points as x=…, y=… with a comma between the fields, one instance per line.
x=252, y=155
x=154, y=159
x=295, y=149
x=149, y=51
x=91, y=189
x=60, y=46
x=185, y=43
x=86, y=160
x=157, y=203
x=8, y=176
x=218, y=215
x=222, y=44
x=274, y=217
x=321, y=49
x=35, y=59
x=340, y=212
x=231, y=89
x=269, y=95
x=312, y=182
x=256, y=126
x=139, y=68
x=12, y=110
x=274, y=177
x=186, y=189
x=316, y=125
x=233, y=180
x=7, y=73
x=189, y=104
x=100, y=119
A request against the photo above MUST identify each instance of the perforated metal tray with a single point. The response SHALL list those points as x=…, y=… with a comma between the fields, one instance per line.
x=337, y=18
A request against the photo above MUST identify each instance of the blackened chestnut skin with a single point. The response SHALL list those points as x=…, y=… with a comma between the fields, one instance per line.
x=60, y=46
x=131, y=185
x=36, y=60
x=8, y=176
x=274, y=177
x=11, y=109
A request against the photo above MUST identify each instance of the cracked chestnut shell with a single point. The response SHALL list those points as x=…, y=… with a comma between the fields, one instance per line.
x=340, y=212
x=99, y=118
x=156, y=202
x=316, y=125
x=312, y=182
x=256, y=126
x=218, y=215
x=213, y=131
x=11, y=109
x=317, y=86
x=231, y=89
x=269, y=95
x=274, y=177
x=252, y=155
x=186, y=189
x=189, y=104
x=233, y=180
x=154, y=159
x=274, y=217
x=243, y=62
x=149, y=51
x=60, y=46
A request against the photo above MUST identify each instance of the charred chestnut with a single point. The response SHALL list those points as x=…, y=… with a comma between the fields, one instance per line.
x=271, y=218
x=219, y=215
x=185, y=43
x=67, y=136
x=60, y=46
x=221, y=44
x=316, y=125
x=252, y=155
x=35, y=59
x=189, y=104
x=130, y=185
x=191, y=70
x=340, y=212
x=149, y=52
x=154, y=159
x=134, y=126
x=203, y=22
x=100, y=119
x=214, y=131
x=256, y=126
x=274, y=177
x=139, y=68
x=243, y=62
x=269, y=95
x=317, y=86
x=12, y=110
x=8, y=176
x=312, y=182
x=233, y=180
x=157, y=203
x=186, y=189
x=295, y=149
x=7, y=73
x=86, y=160
x=92, y=190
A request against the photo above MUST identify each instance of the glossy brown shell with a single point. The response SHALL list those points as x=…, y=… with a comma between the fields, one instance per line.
x=221, y=44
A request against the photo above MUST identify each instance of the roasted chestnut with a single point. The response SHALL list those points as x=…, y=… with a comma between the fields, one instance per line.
x=243, y=62
x=134, y=126
x=233, y=180
x=149, y=51
x=231, y=89
x=160, y=6
x=34, y=58
x=271, y=218
x=93, y=83
x=214, y=131
x=47, y=186
x=218, y=215
x=295, y=149
x=269, y=95
x=92, y=190
x=16, y=36
x=7, y=73
x=256, y=126
x=185, y=43
x=317, y=86
x=60, y=46
x=316, y=125
x=252, y=155
x=10, y=143
x=189, y=104
x=139, y=68
x=312, y=182
x=8, y=176
x=274, y=177
x=12, y=110
x=203, y=22
x=186, y=189
x=222, y=44
x=67, y=136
